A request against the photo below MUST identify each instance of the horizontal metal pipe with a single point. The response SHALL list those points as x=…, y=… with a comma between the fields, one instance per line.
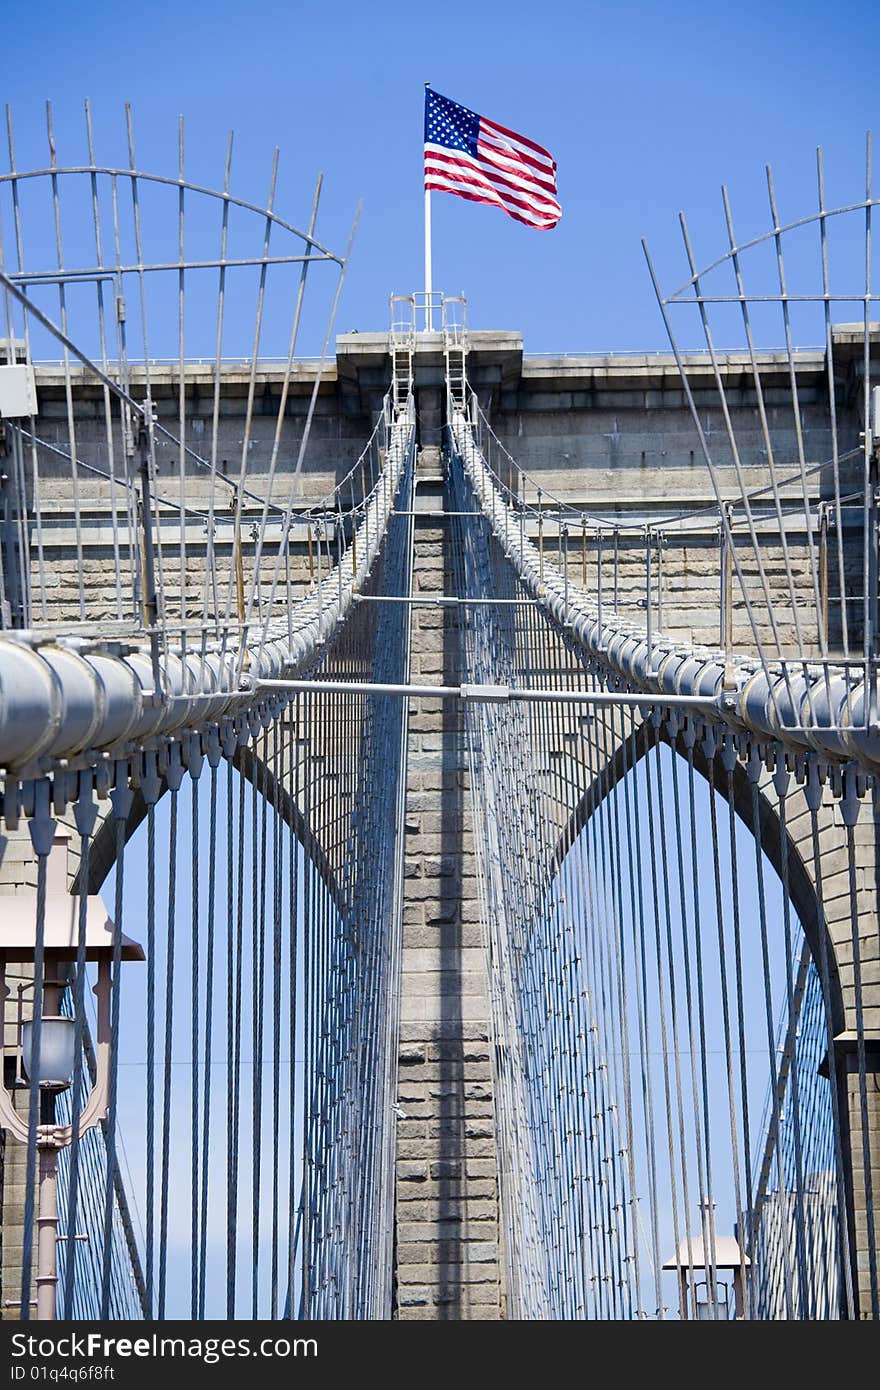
x=632, y=527
x=487, y=693
x=444, y=601
x=52, y=277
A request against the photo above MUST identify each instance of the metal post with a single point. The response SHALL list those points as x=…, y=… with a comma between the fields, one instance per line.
x=649, y=634
x=872, y=540
x=47, y=1211
x=823, y=569
x=564, y=537
x=150, y=596
x=47, y=1231
x=10, y=603
x=727, y=583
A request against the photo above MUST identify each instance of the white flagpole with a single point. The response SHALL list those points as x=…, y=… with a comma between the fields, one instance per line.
x=429, y=312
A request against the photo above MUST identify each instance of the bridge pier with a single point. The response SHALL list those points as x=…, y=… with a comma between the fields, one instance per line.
x=447, y=1229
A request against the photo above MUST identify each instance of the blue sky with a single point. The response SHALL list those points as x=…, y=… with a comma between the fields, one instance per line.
x=647, y=108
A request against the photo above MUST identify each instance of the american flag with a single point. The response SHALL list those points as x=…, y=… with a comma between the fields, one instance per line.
x=470, y=156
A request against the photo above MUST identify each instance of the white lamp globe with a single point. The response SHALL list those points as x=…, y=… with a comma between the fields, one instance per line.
x=54, y=1066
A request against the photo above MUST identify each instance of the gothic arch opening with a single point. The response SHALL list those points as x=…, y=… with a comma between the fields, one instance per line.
x=673, y=1071
x=227, y=1089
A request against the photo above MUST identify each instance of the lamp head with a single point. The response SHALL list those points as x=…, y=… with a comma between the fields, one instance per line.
x=57, y=1056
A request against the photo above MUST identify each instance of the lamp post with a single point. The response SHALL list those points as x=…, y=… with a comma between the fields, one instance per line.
x=52, y=1068
x=722, y=1255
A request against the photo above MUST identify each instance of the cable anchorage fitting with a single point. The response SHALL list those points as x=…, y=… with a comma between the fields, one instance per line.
x=493, y=694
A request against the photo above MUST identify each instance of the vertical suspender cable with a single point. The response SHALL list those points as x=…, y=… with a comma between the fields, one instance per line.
x=86, y=812
x=213, y=869
x=121, y=801
x=169, y=1040
x=195, y=1040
